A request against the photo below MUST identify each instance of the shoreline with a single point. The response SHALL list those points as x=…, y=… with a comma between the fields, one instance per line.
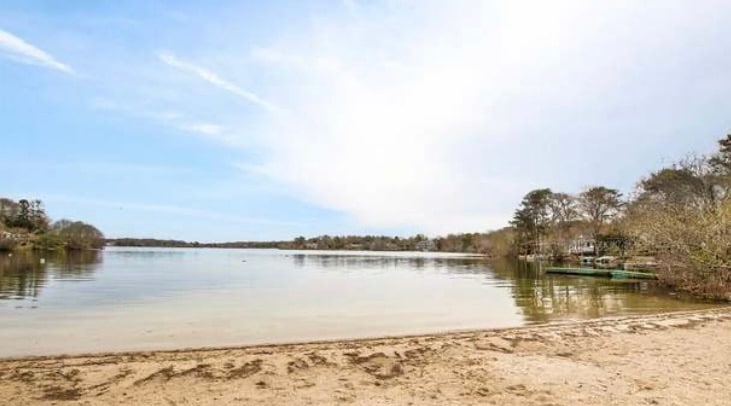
x=368, y=339
x=663, y=358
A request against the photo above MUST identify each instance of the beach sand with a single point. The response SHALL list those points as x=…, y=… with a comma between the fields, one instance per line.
x=667, y=359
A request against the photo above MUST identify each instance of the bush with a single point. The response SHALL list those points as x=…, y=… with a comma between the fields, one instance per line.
x=77, y=235
x=693, y=246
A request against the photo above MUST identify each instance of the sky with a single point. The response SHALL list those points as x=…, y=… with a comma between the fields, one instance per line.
x=251, y=120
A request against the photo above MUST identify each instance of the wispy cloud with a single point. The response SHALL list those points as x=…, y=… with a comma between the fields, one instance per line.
x=351, y=6
x=215, y=132
x=125, y=168
x=165, y=116
x=21, y=51
x=171, y=119
x=203, y=128
x=272, y=56
x=164, y=209
x=215, y=80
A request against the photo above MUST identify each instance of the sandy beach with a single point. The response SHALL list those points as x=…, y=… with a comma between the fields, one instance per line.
x=667, y=359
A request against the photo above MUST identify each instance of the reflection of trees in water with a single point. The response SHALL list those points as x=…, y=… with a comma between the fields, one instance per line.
x=351, y=262
x=155, y=253
x=76, y=264
x=542, y=297
x=21, y=275
x=24, y=274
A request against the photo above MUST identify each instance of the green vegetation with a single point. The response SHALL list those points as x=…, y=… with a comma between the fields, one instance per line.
x=678, y=218
x=25, y=225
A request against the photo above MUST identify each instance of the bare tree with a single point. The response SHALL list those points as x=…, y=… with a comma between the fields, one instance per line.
x=599, y=205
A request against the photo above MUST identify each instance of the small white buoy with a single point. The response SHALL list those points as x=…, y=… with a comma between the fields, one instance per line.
x=43, y=260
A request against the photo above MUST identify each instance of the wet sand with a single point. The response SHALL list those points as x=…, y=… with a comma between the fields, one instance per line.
x=667, y=359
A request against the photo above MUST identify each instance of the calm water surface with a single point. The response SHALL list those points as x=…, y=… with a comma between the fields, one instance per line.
x=156, y=298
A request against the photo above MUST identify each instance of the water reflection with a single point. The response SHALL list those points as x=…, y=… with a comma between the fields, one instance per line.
x=539, y=296
x=24, y=274
x=544, y=297
x=136, y=253
x=148, y=298
x=345, y=262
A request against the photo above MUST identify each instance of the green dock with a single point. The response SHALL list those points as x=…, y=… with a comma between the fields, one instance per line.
x=621, y=274
x=605, y=273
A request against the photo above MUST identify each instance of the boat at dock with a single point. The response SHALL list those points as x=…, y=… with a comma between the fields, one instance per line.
x=605, y=273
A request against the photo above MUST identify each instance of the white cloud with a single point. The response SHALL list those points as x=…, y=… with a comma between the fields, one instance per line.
x=351, y=6
x=21, y=51
x=438, y=116
x=441, y=115
x=203, y=128
x=382, y=137
x=215, y=80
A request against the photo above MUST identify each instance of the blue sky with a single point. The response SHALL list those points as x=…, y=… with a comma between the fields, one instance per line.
x=264, y=120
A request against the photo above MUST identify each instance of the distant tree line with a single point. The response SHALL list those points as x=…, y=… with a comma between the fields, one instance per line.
x=150, y=242
x=465, y=243
x=25, y=224
x=162, y=243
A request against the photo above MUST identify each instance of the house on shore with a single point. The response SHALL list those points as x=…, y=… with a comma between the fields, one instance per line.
x=426, y=245
x=582, y=246
x=6, y=235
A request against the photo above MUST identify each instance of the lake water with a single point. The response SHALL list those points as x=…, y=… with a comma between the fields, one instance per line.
x=156, y=298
